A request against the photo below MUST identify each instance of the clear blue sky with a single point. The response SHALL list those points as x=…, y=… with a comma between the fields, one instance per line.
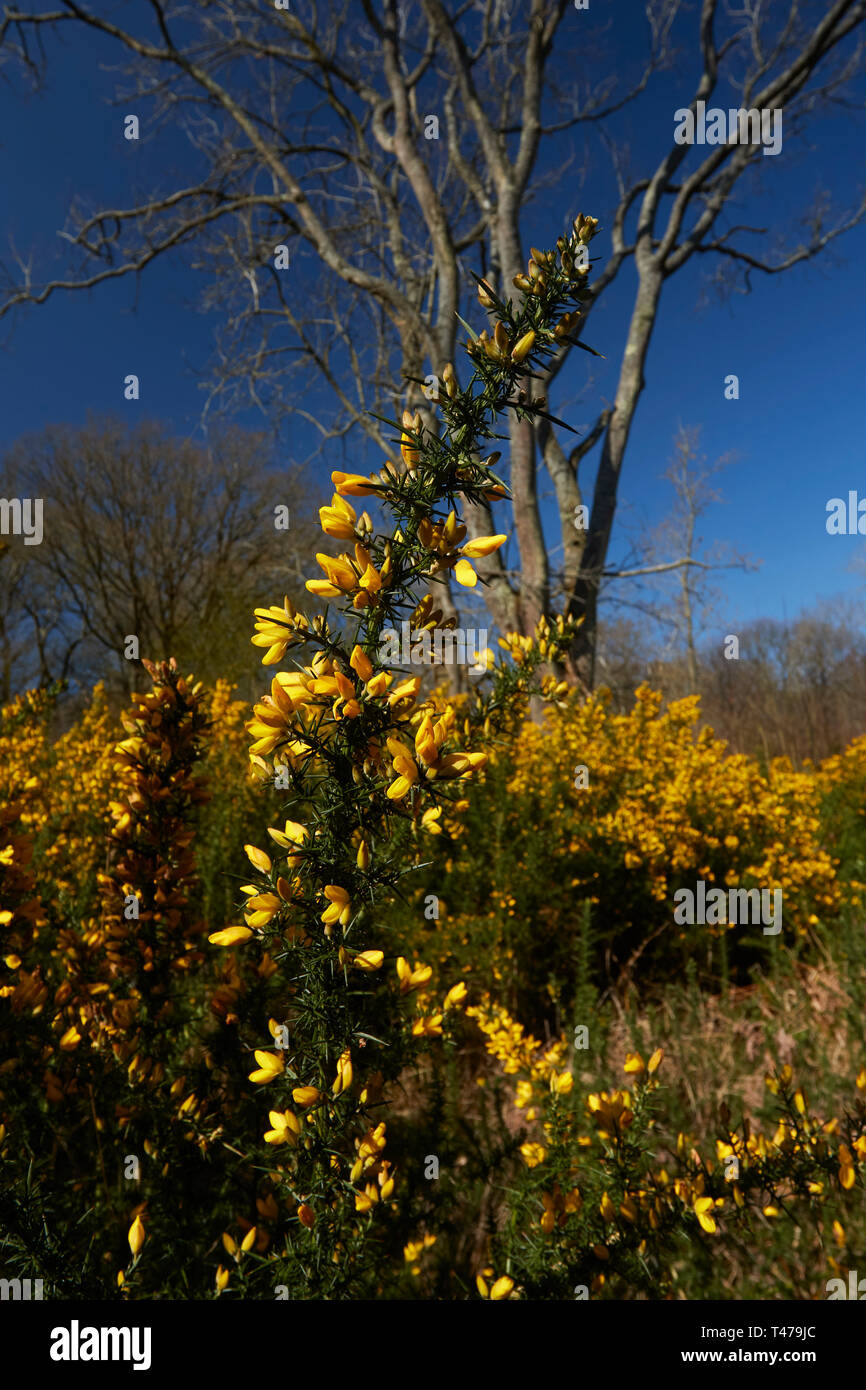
x=795, y=342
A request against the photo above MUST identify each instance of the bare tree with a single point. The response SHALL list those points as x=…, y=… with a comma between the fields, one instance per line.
x=19, y=659
x=152, y=538
x=676, y=550
x=796, y=690
x=313, y=129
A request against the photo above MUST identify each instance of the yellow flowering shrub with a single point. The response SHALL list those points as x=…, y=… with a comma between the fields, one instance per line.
x=603, y=1194
x=615, y=814
x=841, y=780
x=366, y=762
x=69, y=781
x=118, y=1022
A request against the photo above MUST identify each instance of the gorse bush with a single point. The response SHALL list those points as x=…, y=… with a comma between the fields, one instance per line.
x=360, y=755
x=591, y=822
x=842, y=782
x=308, y=1078
x=610, y=1202
x=115, y=1021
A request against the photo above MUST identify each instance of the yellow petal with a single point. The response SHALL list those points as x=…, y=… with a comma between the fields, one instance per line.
x=369, y=960
x=306, y=1095
x=481, y=546
x=465, y=574
x=230, y=936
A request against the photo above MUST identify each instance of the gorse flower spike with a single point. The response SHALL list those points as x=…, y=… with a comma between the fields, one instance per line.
x=364, y=754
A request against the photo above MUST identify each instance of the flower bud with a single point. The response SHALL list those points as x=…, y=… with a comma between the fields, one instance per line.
x=523, y=346
x=136, y=1235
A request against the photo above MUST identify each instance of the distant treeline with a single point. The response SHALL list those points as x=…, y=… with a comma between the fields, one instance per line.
x=797, y=688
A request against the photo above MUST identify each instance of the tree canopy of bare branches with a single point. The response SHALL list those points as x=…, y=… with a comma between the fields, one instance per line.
x=144, y=536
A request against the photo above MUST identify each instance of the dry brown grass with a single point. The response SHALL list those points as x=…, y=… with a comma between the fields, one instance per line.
x=718, y=1047
x=721, y=1046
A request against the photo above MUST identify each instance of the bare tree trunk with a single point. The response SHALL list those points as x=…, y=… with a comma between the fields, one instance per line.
x=584, y=597
x=688, y=624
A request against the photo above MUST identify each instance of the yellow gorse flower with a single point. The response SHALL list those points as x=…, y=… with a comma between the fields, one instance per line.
x=703, y=1207
x=136, y=1236
x=344, y=1074
x=339, y=520
x=426, y=761
x=409, y=451
x=368, y=960
x=412, y=978
x=357, y=577
x=271, y=1065
x=445, y=539
x=230, y=936
x=501, y=1288
x=278, y=629
x=285, y=1127
x=611, y=1112
x=339, y=909
x=533, y=1154
x=455, y=996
